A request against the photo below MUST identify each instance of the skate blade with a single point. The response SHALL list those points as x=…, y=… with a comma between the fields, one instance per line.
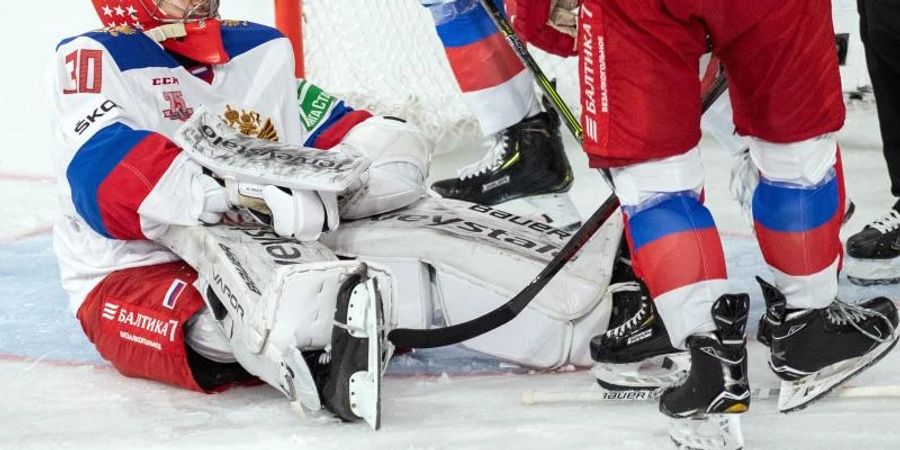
x=872, y=272
x=798, y=394
x=707, y=432
x=651, y=375
x=365, y=321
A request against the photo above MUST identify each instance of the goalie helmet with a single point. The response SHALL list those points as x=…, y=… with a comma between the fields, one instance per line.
x=190, y=28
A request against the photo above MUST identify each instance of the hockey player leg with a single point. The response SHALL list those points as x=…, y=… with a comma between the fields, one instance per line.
x=358, y=351
x=676, y=249
x=816, y=341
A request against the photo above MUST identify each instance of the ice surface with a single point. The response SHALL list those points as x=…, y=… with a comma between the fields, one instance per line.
x=56, y=392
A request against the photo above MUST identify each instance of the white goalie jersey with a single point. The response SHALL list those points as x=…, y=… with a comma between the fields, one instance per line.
x=119, y=99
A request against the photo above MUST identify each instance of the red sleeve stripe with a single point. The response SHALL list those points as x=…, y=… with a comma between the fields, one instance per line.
x=333, y=133
x=121, y=193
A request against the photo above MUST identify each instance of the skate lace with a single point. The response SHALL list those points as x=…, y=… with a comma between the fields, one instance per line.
x=638, y=317
x=888, y=223
x=842, y=313
x=492, y=159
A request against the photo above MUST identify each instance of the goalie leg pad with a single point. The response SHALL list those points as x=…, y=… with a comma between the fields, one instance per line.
x=274, y=297
x=465, y=259
x=400, y=157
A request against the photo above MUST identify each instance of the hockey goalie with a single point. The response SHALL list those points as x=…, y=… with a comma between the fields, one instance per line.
x=169, y=119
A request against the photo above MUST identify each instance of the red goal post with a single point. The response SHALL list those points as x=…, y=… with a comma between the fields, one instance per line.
x=289, y=20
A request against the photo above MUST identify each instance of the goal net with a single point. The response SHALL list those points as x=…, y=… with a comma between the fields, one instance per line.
x=385, y=56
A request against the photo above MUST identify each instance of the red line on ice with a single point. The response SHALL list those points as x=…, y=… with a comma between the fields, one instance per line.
x=37, y=231
x=25, y=177
x=51, y=362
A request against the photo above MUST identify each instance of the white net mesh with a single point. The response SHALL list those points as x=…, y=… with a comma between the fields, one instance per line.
x=385, y=56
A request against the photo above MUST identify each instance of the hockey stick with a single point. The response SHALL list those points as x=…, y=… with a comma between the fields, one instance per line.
x=440, y=337
x=534, y=396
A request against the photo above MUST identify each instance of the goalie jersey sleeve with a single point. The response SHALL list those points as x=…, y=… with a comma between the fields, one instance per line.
x=124, y=181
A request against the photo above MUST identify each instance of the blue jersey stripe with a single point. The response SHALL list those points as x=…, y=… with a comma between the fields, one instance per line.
x=780, y=207
x=339, y=111
x=467, y=28
x=93, y=163
x=680, y=212
x=130, y=51
x=242, y=37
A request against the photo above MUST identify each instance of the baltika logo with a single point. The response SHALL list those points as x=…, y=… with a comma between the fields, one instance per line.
x=173, y=293
x=250, y=123
x=110, y=310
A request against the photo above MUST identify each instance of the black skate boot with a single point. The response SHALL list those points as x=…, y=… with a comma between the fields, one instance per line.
x=816, y=350
x=527, y=160
x=703, y=409
x=717, y=382
x=352, y=389
x=774, y=315
x=635, y=358
x=873, y=254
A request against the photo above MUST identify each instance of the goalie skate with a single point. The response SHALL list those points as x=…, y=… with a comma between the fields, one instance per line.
x=358, y=352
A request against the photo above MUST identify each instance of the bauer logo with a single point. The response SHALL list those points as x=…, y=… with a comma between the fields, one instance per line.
x=626, y=395
x=173, y=293
x=640, y=336
x=314, y=105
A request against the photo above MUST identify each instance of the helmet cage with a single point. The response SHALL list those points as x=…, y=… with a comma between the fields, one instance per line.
x=198, y=12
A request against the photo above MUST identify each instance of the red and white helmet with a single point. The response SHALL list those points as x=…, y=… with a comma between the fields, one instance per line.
x=202, y=38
